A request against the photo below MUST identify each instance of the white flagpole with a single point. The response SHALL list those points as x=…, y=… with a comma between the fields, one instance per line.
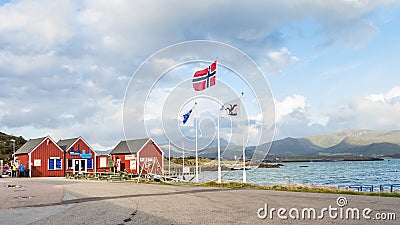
x=197, y=162
x=183, y=159
x=169, y=158
x=219, y=180
x=244, y=147
x=219, y=154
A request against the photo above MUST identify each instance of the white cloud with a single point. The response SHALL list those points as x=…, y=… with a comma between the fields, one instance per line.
x=282, y=58
x=387, y=97
x=376, y=97
x=295, y=117
x=392, y=93
x=290, y=104
x=375, y=111
x=278, y=60
x=64, y=65
x=36, y=25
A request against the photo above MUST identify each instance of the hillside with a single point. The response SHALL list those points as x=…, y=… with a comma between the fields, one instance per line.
x=294, y=147
x=355, y=137
x=6, y=145
x=349, y=143
x=347, y=147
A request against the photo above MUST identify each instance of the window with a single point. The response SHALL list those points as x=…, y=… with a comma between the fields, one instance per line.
x=69, y=164
x=103, y=161
x=54, y=164
x=90, y=163
x=37, y=162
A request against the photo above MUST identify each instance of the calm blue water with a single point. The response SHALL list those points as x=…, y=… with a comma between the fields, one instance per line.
x=319, y=173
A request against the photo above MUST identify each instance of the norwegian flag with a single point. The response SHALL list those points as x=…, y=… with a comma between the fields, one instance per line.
x=206, y=78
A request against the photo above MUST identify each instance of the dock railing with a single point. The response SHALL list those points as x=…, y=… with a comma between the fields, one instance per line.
x=372, y=188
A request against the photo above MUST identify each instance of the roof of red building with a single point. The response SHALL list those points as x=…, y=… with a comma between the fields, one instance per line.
x=129, y=146
x=66, y=143
x=29, y=145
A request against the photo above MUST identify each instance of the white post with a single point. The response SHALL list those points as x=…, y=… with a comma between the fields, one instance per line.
x=219, y=154
x=197, y=159
x=243, y=146
x=169, y=158
x=30, y=165
x=183, y=157
x=13, y=141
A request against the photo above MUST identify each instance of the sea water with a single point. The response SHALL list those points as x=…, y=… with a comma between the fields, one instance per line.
x=334, y=174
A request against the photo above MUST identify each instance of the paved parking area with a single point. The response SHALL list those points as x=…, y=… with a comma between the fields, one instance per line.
x=61, y=201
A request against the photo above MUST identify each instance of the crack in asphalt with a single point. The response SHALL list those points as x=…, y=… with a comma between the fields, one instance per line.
x=129, y=219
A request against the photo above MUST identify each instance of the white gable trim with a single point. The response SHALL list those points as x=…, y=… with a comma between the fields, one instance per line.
x=80, y=138
x=51, y=139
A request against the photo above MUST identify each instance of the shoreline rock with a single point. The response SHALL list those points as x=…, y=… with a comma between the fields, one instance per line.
x=266, y=165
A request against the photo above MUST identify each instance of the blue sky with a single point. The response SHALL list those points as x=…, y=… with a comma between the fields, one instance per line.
x=65, y=65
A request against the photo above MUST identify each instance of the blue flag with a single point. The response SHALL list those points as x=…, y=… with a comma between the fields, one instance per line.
x=186, y=116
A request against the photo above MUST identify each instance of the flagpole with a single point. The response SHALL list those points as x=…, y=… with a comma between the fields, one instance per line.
x=183, y=159
x=219, y=180
x=169, y=158
x=244, y=148
x=197, y=162
x=219, y=154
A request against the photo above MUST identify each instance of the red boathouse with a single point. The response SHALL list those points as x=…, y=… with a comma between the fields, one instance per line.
x=79, y=156
x=140, y=156
x=42, y=157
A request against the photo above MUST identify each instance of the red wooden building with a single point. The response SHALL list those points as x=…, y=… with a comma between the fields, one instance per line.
x=42, y=157
x=79, y=157
x=102, y=162
x=138, y=156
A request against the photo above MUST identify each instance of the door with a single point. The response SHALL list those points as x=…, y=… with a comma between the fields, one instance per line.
x=80, y=166
x=118, y=164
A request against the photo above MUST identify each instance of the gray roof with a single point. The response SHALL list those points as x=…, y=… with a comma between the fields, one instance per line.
x=29, y=146
x=66, y=144
x=134, y=146
x=103, y=153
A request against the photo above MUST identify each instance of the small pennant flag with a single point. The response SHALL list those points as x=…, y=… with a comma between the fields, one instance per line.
x=206, y=78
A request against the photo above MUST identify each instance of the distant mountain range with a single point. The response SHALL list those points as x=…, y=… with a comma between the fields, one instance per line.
x=348, y=143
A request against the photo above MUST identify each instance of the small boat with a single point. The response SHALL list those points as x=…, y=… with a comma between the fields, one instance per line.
x=303, y=166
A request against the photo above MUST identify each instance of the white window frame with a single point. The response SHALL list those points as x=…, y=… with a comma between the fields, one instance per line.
x=103, y=161
x=37, y=162
x=55, y=163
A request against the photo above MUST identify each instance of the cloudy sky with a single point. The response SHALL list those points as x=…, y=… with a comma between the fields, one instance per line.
x=65, y=65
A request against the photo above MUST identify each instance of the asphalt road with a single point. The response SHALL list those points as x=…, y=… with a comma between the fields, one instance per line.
x=61, y=201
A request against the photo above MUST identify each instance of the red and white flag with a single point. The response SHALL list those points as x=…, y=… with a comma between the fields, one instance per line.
x=206, y=78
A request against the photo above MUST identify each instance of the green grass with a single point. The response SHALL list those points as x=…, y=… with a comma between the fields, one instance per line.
x=293, y=188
